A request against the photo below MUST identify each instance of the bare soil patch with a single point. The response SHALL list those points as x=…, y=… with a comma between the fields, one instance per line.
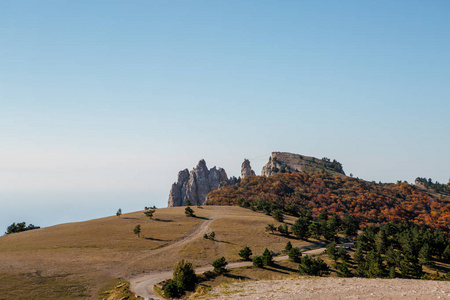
x=333, y=288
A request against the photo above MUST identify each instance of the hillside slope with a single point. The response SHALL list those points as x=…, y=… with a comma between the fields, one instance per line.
x=80, y=260
x=370, y=202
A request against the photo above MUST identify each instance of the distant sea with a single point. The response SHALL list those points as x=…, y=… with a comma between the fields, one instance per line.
x=50, y=208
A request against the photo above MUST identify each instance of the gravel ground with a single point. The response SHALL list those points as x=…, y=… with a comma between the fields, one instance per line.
x=334, y=288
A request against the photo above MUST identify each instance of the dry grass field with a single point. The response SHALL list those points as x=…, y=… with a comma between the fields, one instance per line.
x=80, y=260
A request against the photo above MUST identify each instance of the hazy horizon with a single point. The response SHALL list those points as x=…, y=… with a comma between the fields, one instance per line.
x=101, y=104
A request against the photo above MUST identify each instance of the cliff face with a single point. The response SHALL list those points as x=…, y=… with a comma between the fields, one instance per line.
x=290, y=162
x=246, y=169
x=195, y=185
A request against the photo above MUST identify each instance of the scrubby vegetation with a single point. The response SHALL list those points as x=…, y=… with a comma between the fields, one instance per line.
x=433, y=186
x=19, y=227
x=184, y=279
x=370, y=203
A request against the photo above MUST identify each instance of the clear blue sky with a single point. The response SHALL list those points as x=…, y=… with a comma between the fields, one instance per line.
x=103, y=102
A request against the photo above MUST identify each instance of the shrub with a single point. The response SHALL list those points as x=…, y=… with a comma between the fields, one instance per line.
x=171, y=290
x=19, y=227
x=278, y=215
x=258, y=262
x=137, y=230
x=219, y=265
x=189, y=212
x=267, y=258
x=343, y=270
x=313, y=267
x=149, y=213
x=294, y=255
x=283, y=229
x=271, y=228
x=288, y=246
x=184, y=276
x=245, y=253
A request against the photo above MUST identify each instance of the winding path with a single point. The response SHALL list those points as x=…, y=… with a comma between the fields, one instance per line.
x=143, y=285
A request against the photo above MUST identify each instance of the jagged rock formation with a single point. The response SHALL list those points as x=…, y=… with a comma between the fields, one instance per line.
x=290, y=162
x=246, y=169
x=195, y=185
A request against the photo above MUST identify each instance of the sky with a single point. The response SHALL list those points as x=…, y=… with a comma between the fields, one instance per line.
x=103, y=102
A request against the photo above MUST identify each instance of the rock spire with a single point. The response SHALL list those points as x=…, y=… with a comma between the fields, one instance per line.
x=246, y=169
x=196, y=184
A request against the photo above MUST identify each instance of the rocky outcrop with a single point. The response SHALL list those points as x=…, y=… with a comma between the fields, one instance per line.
x=246, y=169
x=290, y=162
x=195, y=185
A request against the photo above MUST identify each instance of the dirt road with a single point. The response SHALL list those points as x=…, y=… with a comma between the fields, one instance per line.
x=142, y=285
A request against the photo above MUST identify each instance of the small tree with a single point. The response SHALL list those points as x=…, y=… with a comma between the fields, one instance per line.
x=119, y=212
x=278, y=215
x=311, y=266
x=270, y=228
x=245, y=253
x=294, y=255
x=188, y=202
x=332, y=251
x=189, y=212
x=137, y=230
x=283, y=229
x=446, y=254
x=171, y=290
x=343, y=254
x=343, y=270
x=219, y=265
x=212, y=235
x=288, y=246
x=267, y=258
x=258, y=262
x=301, y=227
x=184, y=276
x=149, y=213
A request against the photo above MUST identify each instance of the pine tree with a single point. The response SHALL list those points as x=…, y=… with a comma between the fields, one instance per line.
x=189, y=212
x=245, y=253
x=258, y=262
x=137, y=230
x=288, y=246
x=184, y=276
x=301, y=227
x=267, y=258
x=332, y=251
x=219, y=265
x=294, y=255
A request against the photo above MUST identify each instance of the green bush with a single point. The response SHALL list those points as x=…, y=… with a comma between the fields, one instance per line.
x=171, y=290
x=258, y=262
x=313, y=267
x=184, y=276
x=219, y=265
x=245, y=253
x=267, y=258
x=189, y=212
x=294, y=255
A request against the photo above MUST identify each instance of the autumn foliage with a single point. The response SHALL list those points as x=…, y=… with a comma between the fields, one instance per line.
x=369, y=202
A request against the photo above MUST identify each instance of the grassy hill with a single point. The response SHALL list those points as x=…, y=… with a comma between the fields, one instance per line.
x=80, y=260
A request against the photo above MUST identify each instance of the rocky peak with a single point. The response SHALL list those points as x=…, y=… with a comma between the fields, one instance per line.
x=290, y=162
x=246, y=169
x=196, y=184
